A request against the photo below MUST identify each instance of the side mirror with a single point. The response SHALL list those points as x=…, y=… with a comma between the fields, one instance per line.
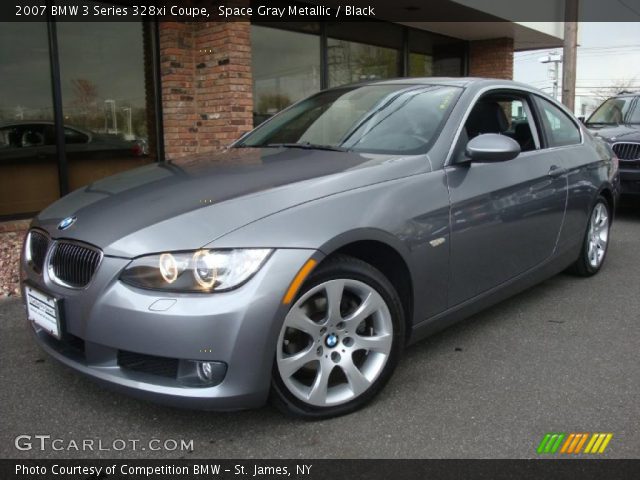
x=582, y=118
x=491, y=147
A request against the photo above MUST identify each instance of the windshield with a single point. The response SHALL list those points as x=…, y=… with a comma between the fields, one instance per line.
x=617, y=110
x=395, y=119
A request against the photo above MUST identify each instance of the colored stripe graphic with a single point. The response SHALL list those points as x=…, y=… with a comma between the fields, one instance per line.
x=574, y=442
x=550, y=442
x=598, y=442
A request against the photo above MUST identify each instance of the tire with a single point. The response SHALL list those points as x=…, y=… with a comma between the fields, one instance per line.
x=596, y=240
x=330, y=362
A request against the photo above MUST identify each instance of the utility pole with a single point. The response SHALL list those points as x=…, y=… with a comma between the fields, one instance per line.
x=556, y=59
x=570, y=53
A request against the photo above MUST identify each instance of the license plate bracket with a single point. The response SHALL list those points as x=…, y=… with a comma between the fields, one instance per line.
x=44, y=311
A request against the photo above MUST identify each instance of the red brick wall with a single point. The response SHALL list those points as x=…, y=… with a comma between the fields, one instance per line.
x=206, y=85
x=491, y=58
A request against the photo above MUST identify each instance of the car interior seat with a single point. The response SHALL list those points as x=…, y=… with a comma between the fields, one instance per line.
x=523, y=135
x=486, y=117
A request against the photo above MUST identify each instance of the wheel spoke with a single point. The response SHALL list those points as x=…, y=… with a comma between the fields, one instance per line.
x=321, y=353
x=371, y=304
x=291, y=364
x=334, y=291
x=357, y=381
x=593, y=255
x=298, y=320
x=318, y=393
x=379, y=343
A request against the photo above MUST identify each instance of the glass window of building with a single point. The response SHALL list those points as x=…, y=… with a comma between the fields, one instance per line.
x=104, y=91
x=286, y=68
x=435, y=55
x=358, y=52
x=28, y=165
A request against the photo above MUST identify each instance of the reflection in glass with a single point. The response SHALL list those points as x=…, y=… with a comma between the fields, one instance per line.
x=28, y=166
x=420, y=65
x=102, y=71
x=286, y=68
x=434, y=55
x=351, y=62
x=384, y=118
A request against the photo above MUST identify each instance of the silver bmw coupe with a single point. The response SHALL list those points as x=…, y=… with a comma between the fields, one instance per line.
x=297, y=264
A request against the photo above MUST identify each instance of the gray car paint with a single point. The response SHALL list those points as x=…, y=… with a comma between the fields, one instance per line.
x=469, y=234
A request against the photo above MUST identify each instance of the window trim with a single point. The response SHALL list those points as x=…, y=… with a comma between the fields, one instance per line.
x=528, y=104
x=449, y=160
x=542, y=120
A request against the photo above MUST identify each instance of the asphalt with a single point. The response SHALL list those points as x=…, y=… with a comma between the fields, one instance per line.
x=561, y=357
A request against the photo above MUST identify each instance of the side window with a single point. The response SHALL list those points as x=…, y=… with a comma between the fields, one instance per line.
x=503, y=112
x=32, y=136
x=74, y=136
x=559, y=128
x=9, y=137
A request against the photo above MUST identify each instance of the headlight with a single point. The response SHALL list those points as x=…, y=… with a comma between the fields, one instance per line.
x=199, y=271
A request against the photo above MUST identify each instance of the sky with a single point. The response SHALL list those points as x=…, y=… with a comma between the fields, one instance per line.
x=608, y=55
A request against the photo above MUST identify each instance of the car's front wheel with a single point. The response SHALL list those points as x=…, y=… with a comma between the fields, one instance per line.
x=339, y=342
x=596, y=240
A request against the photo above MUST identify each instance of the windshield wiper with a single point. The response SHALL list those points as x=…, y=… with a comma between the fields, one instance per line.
x=305, y=145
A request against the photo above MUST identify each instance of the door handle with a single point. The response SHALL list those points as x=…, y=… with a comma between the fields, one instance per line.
x=556, y=171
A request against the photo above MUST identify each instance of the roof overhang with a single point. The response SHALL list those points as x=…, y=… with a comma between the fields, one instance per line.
x=479, y=19
x=526, y=35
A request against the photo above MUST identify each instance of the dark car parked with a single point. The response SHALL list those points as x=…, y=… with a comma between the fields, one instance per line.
x=24, y=140
x=29, y=156
x=617, y=121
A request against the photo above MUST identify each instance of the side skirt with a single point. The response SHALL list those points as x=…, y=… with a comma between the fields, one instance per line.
x=554, y=265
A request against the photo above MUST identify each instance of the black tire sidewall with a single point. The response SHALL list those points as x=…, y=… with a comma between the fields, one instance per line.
x=354, y=269
x=584, y=256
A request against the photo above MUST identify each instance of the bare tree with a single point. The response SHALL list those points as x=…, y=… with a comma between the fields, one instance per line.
x=619, y=85
x=85, y=95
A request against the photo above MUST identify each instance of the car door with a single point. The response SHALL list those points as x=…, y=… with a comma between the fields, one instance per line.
x=505, y=216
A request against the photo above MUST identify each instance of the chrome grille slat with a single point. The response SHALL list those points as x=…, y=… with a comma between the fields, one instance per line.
x=73, y=264
x=627, y=150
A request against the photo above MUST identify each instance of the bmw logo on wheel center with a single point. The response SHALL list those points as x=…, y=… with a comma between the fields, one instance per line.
x=332, y=340
x=66, y=223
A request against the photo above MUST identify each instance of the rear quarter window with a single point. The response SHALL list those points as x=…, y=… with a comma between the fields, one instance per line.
x=560, y=130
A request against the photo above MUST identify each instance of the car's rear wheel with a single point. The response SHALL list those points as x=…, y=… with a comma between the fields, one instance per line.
x=339, y=342
x=596, y=240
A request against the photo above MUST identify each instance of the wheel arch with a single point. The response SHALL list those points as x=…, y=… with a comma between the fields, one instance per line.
x=607, y=194
x=384, y=252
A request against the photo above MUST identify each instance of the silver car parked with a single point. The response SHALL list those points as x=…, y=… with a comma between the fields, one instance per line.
x=300, y=262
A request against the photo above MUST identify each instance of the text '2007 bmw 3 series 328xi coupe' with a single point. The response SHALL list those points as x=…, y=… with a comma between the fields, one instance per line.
x=298, y=263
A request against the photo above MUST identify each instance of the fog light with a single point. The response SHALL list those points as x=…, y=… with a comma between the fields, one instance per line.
x=205, y=371
x=196, y=373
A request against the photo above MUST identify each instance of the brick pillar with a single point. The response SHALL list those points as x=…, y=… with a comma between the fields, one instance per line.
x=206, y=85
x=491, y=58
x=177, y=86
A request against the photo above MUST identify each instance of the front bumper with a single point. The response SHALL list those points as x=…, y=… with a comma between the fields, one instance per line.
x=630, y=181
x=238, y=330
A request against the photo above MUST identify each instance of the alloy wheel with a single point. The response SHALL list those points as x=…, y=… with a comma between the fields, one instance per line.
x=598, y=236
x=335, y=342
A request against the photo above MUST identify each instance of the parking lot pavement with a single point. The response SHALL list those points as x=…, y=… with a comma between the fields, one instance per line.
x=561, y=357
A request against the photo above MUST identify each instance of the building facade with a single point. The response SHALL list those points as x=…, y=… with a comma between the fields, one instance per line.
x=81, y=101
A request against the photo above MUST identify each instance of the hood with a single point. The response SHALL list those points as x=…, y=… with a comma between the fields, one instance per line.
x=186, y=204
x=616, y=133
